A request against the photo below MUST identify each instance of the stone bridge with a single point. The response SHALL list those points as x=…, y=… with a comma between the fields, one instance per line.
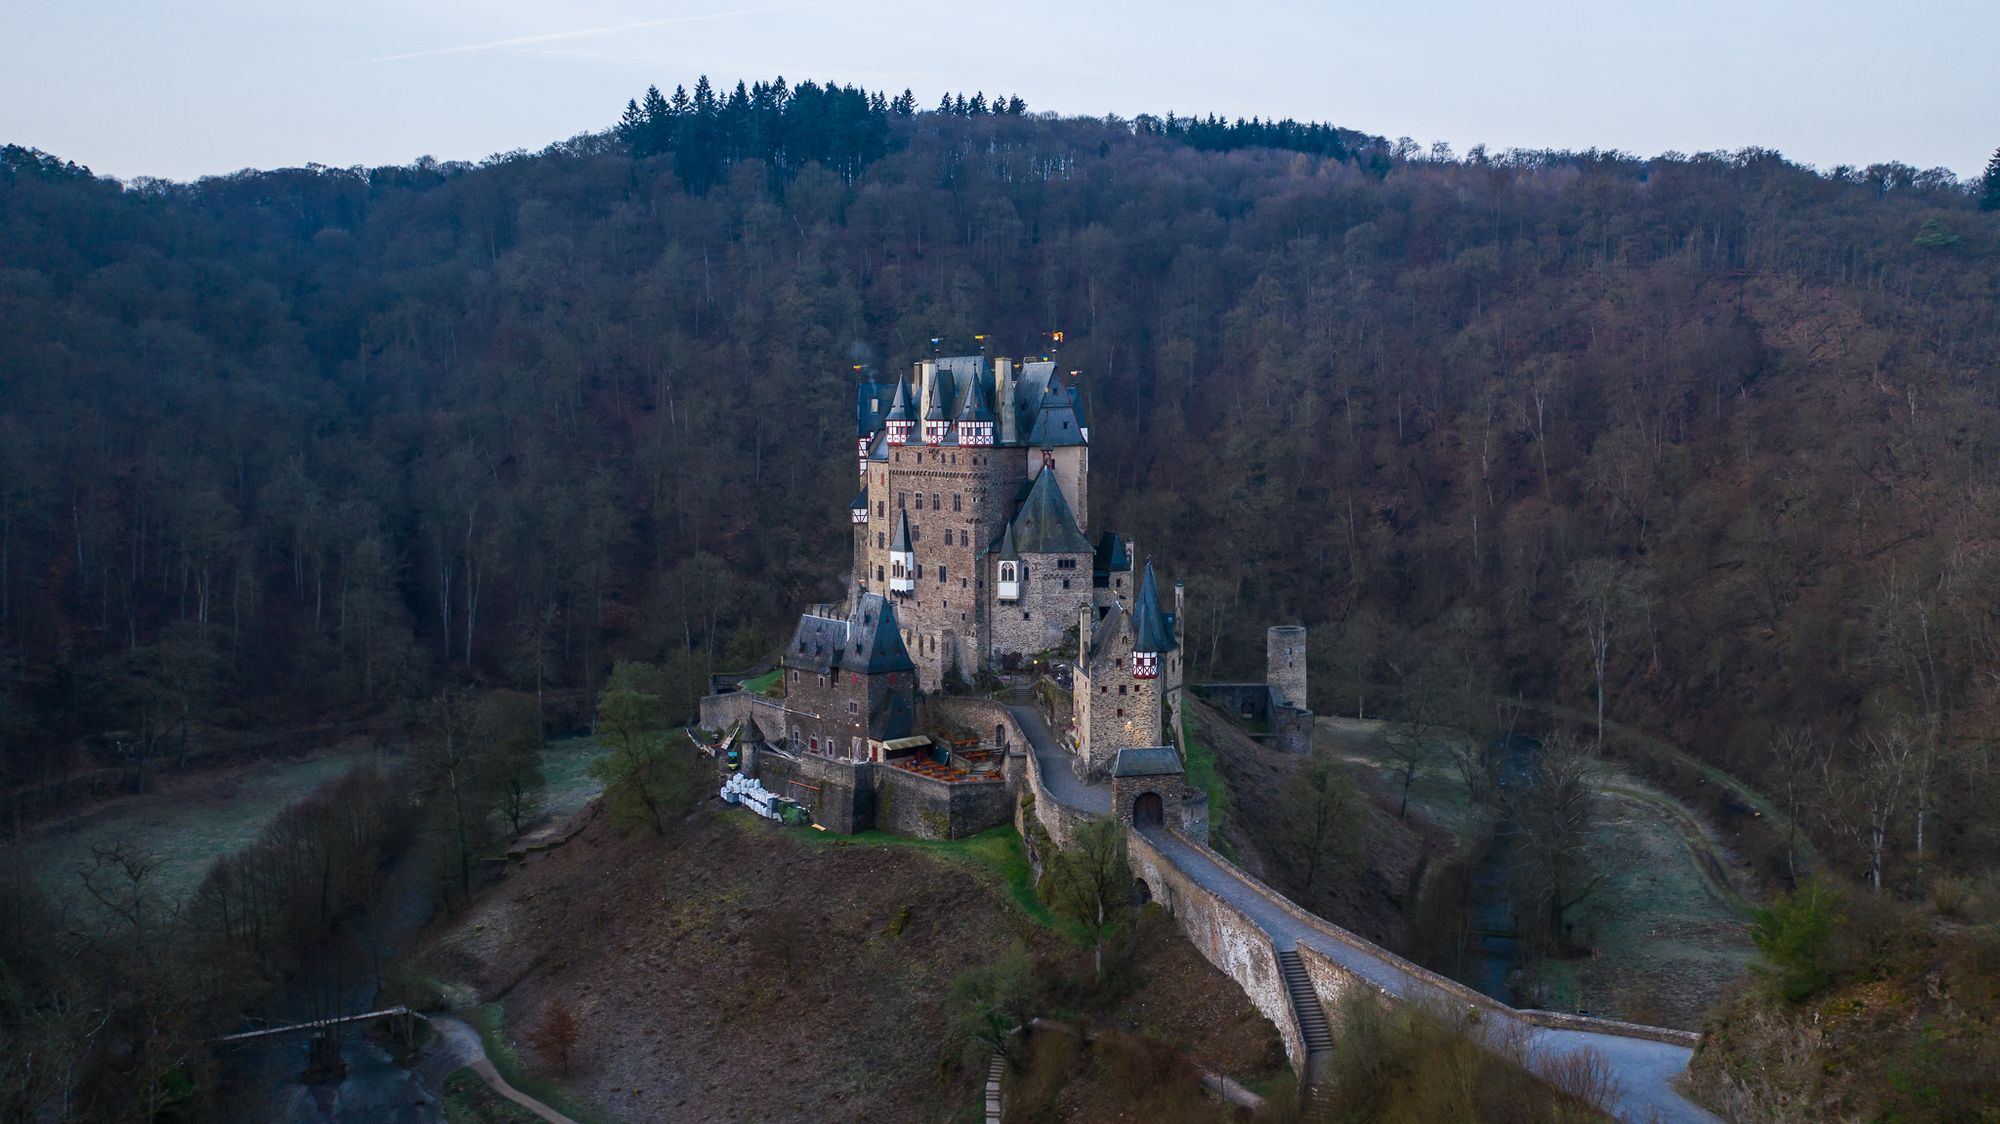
x=1294, y=966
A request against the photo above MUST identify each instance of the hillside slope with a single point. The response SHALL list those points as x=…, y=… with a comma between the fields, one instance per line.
x=1376, y=898
x=742, y=971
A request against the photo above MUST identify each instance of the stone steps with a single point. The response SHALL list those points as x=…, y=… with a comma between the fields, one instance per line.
x=993, y=1074
x=1314, y=1030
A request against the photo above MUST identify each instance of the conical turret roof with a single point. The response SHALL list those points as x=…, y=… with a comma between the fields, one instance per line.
x=899, y=408
x=900, y=540
x=1008, y=552
x=1150, y=631
x=941, y=395
x=975, y=409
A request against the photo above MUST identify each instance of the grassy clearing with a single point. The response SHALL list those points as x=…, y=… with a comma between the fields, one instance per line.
x=489, y=1019
x=770, y=683
x=1669, y=937
x=185, y=829
x=1204, y=774
x=566, y=776
x=1668, y=926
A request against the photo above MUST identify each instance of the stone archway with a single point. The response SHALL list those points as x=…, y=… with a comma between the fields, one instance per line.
x=1148, y=810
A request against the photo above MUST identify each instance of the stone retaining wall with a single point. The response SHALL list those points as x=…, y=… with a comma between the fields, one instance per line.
x=1060, y=821
x=922, y=807
x=1337, y=976
x=731, y=708
x=1225, y=937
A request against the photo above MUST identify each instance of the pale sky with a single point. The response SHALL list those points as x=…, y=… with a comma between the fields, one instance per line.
x=198, y=87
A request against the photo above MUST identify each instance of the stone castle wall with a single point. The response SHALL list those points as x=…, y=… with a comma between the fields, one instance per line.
x=954, y=499
x=1225, y=937
x=923, y=807
x=763, y=714
x=840, y=794
x=1115, y=710
x=1047, y=609
x=848, y=796
x=1292, y=730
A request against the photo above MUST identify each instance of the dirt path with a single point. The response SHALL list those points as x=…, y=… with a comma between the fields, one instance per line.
x=461, y=1043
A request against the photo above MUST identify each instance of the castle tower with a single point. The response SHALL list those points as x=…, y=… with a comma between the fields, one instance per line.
x=1151, y=638
x=1110, y=571
x=975, y=421
x=1008, y=580
x=899, y=420
x=940, y=499
x=1128, y=664
x=937, y=418
x=902, y=557
x=1285, y=663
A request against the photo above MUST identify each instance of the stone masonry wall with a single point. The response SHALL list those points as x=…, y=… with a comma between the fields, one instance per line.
x=1046, y=609
x=840, y=794
x=986, y=716
x=766, y=715
x=1225, y=937
x=1292, y=730
x=1115, y=710
x=923, y=807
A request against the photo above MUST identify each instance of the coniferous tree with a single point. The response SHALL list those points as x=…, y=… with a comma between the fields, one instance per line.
x=1989, y=199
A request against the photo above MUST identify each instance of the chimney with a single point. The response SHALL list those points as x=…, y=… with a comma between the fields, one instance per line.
x=1004, y=404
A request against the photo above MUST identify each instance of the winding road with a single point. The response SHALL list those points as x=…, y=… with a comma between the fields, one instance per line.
x=1644, y=1069
x=459, y=1043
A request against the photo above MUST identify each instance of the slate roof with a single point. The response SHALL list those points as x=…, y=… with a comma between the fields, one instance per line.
x=1147, y=761
x=1008, y=552
x=1044, y=525
x=899, y=407
x=900, y=540
x=1111, y=557
x=875, y=638
x=1056, y=422
x=870, y=404
x=1045, y=413
x=1153, y=634
x=869, y=642
x=860, y=499
x=1104, y=632
x=974, y=407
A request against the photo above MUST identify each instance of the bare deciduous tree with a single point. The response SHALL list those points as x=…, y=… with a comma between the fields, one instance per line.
x=1552, y=815
x=1602, y=595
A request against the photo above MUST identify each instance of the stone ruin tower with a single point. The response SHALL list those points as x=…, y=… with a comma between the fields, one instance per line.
x=1285, y=675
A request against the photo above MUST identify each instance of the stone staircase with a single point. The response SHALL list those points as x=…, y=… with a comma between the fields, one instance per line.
x=1314, y=1029
x=994, y=1071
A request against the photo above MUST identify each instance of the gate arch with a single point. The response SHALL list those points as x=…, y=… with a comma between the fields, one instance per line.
x=1148, y=810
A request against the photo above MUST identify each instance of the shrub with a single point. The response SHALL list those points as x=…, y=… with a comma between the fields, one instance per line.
x=554, y=1036
x=1951, y=897
x=1796, y=933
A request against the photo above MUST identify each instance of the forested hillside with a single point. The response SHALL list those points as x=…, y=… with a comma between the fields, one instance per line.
x=1715, y=434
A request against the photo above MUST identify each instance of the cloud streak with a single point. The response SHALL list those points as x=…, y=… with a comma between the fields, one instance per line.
x=580, y=33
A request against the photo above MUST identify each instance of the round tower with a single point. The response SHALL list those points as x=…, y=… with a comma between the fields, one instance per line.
x=1285, y=663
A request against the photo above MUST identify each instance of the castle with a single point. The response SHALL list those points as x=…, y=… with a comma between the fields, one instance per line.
x=973, y=511
x=972, y=555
